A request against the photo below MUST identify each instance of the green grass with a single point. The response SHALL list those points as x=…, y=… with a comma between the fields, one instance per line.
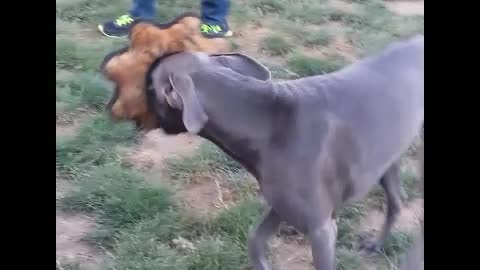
x=94, y=145
x=85, y=90
x=347, y=220
x=348, y=260
x=145, y=253
x=118, y=196
x=83, y=54
x=120, y=200
x=276, y=45
x=308, y=66
x=397, y=244
x=236, y=222
x=217, y=254
x=410, y=183
x=269, y=6
x=88, y=11
x=376, y=27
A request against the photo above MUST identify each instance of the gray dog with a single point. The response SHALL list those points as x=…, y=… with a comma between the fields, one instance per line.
x=312, y=143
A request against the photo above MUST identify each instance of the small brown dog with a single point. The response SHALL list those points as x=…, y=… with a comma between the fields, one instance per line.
x=127, y=68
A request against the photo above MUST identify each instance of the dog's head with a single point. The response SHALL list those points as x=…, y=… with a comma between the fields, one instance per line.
x=127, y=67
x=172, y=91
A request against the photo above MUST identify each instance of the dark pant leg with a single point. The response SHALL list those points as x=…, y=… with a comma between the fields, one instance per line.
x=215, y=12
x=144, y=9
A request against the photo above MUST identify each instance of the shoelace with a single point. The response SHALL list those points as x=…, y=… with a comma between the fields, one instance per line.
x=123, y=20
x=205, y=28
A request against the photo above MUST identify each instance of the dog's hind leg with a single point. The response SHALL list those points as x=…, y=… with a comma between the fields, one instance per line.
x=323, y=244
x=257, y=242
x=390, y=182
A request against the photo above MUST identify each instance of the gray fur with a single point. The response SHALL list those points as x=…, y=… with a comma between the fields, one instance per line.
x=313, y=143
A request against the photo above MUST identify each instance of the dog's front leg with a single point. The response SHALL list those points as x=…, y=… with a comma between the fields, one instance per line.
x=323, y=237
x=257, y=242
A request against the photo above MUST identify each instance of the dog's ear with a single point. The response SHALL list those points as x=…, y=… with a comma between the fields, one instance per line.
x=183, y=97
x=242, y=64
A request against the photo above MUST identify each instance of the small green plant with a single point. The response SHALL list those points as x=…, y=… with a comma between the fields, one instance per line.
x=276, y=45
x=217, y=254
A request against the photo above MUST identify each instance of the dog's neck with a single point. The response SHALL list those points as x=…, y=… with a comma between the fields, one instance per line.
x=240, y=110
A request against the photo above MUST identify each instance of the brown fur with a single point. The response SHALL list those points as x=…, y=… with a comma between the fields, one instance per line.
x=148, y=42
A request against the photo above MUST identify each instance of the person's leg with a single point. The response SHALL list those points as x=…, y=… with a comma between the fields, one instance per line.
x=141, y=9
x=144, y=9
x=214, y=18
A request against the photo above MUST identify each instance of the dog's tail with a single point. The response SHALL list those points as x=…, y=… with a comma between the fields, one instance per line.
x=415, y=256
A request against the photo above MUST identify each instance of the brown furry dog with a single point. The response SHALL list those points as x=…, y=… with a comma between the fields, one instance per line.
x=127, y=68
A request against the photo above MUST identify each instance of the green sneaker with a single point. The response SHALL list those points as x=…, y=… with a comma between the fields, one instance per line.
x=215, y=31
x=118, y=27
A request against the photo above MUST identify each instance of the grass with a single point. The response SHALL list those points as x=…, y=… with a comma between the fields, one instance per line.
x=94, y=145
x=85, y=90
x=347, y=220
x=118, y=197
x=269, y=6
x=84, y=56
x=349, y=260
x=236, y=222
x=276, y=45
x=398, y=243
x=318, y=38
x=309, y=66
x=208, y=158
x=217, y=254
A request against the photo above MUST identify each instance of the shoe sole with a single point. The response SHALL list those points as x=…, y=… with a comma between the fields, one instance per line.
x=100, y=28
